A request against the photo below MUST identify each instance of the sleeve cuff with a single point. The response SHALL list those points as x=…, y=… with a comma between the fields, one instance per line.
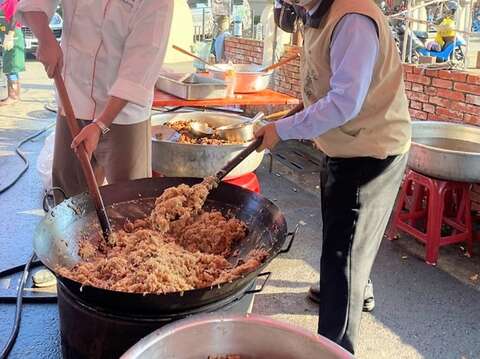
x=24, y=6
x=131, y=92
x=284, y=128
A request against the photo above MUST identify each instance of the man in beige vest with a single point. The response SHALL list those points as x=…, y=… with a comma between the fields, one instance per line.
x=356, y=112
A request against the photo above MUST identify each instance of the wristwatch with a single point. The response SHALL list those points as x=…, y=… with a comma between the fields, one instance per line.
x=102, y=126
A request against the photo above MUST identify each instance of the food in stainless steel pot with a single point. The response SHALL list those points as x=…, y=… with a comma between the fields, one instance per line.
x=178, y=247
x=183, y=127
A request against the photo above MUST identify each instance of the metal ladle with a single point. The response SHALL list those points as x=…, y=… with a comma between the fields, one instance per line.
x=201, y=129
x=239, y=132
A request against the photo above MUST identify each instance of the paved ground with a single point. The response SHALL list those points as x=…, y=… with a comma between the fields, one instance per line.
x=422, y=311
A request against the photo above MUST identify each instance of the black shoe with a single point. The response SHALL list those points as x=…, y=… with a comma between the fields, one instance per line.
x=314, y=293
x=368, y=302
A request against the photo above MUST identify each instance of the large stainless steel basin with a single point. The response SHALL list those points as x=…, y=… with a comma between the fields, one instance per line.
x=187, y=160
x=249, y=336
x=445, y=150
x=249, y=78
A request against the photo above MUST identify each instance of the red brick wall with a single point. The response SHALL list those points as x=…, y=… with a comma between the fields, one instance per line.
x=443, y=95
x=287, y=77
x=244, y=51
x=438, y=95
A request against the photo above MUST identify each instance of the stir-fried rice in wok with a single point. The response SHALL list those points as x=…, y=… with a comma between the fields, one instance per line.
x=179, y=247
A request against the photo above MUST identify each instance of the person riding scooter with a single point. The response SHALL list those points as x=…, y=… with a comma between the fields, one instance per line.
x=446, y=33
x=447, y=41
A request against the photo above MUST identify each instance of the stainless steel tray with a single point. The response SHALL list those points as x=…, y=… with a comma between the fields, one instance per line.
x=194, y=87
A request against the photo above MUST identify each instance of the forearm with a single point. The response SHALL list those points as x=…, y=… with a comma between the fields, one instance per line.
x=39, y=24
x=295, y=110
x=327, y=113
x=114, y=106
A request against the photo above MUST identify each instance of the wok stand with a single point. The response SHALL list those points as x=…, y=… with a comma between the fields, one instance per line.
x=114, y=332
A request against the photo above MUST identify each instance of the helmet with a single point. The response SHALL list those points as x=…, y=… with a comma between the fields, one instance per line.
x=452, y=5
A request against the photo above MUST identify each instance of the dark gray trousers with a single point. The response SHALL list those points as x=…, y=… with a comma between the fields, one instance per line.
x=358, y=195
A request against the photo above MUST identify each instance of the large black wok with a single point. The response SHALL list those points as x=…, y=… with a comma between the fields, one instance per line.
x=57, y=237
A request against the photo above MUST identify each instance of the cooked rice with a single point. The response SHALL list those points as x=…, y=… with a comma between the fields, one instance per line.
x=179, y=247
x=178, y=205
x=183, y=128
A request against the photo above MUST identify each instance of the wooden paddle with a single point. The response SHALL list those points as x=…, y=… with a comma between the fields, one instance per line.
x=185, y=52
x=87, y=169
x=277, y=115
x=280, y=63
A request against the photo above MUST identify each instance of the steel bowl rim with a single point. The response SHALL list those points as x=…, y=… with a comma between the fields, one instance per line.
x=440, y=150
x=197, y=113
x=250, y=319
x=263, y=73
x=444, y=150
x=229, y=145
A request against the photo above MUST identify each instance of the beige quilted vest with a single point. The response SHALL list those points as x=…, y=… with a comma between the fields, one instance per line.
x=382, y=128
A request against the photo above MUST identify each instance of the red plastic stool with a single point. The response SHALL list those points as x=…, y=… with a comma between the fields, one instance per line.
x=248, y=181
x=427, y=208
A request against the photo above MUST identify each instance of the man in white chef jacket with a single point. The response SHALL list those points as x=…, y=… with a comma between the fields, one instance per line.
x=110, y=57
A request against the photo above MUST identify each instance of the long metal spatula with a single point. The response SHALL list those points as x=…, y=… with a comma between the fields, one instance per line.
x=87, y=169
x=234, y=162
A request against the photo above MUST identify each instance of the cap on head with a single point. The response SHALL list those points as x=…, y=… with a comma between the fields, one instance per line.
x=452, y=7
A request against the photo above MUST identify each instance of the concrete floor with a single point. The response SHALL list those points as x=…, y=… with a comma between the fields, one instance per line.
x=422, y=311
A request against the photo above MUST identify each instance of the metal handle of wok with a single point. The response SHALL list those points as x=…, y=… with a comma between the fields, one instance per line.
x=292, y=236
x=46, y=206
x=239, y=158
x=10, y=296
x=262, y=287
x=37, y=299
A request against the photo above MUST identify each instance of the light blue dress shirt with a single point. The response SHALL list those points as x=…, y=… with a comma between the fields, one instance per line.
x=353, y=55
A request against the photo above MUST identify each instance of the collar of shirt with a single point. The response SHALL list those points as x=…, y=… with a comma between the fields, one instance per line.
x=315, y=8
x=316, y=14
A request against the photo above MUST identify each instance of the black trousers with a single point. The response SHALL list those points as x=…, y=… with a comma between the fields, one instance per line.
x=358, y=196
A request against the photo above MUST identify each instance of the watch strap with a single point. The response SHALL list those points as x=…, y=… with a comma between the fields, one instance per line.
x=102, y=126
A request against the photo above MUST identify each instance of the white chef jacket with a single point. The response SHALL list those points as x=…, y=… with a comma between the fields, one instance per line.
x=111, y=48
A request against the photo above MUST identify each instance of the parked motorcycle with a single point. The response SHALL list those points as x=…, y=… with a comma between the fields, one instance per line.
x=415, y=41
